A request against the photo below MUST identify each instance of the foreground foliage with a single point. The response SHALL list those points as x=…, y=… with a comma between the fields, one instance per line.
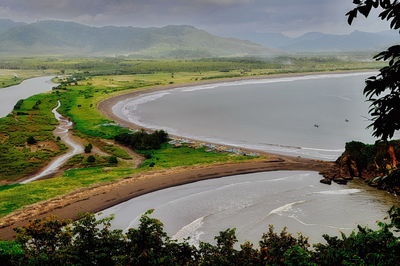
x=383, y=90
x=90, y=241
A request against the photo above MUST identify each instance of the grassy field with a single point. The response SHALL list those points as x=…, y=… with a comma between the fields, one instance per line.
x=100, y=78
x=31, y=119
x=13, y=197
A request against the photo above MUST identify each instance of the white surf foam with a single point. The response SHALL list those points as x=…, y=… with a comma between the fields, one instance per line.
x=190, y=230
x=339, y=192
x=285, y=208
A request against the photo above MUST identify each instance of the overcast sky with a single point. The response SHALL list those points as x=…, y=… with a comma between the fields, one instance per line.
x=224, y=17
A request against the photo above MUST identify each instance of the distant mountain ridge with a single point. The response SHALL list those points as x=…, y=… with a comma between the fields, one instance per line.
x=322, y=42
x=69, y=38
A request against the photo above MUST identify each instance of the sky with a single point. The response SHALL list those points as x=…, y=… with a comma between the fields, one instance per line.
x=223, y=17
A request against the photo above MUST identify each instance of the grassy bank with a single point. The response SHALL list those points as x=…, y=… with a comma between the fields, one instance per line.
x=10, y=77
x=13, y=197
x=30, y=119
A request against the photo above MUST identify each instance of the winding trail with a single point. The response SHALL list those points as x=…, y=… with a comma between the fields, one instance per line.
x=62, y=131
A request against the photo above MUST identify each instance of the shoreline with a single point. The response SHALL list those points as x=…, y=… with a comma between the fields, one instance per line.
x=102, y=196
x=105, y=107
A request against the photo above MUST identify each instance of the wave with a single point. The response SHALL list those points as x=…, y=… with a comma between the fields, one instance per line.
x=269, y=80
x=329, y=226
x=285, y=208
x=339, y=192
x=190, y=230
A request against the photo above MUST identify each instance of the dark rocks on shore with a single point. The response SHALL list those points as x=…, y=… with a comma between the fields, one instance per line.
x=326, y=181
x=340, y=181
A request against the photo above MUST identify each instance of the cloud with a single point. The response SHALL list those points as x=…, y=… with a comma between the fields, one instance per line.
x=219, y=16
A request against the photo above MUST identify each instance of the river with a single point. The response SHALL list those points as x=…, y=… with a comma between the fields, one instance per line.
x=11, y=95
x=251, y=202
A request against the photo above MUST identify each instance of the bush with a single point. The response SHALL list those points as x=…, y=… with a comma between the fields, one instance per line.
x=88, y=148
x=91, y=159
x=142, y=140
x=18, y=105
x=112, y=160
x=31, y=140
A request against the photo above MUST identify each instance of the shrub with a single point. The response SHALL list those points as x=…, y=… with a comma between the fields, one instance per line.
x=31, y=140
x=18, y=105
x=112, y=160
x=142, y=140
x=88, y=148
x=91, y=159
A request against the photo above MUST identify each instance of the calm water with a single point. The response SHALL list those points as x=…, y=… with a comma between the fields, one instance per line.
x=276, y=115
x=251, y=202
x=11, y=95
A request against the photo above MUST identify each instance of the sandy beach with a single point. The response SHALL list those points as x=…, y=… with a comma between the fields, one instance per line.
x=102, y=196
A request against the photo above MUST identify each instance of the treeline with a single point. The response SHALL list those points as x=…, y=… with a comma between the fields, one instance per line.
x=89, y=241
x=126, y=65
x=141, y=140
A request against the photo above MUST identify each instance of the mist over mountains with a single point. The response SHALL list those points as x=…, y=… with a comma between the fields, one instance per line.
x=69, y=38
x=322, y=42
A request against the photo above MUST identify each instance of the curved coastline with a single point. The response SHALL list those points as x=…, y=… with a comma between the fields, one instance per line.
x=113, y=108
x=103, y=196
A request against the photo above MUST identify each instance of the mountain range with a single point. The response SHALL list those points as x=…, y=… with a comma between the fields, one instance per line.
x=178, y=41
x=69, y=38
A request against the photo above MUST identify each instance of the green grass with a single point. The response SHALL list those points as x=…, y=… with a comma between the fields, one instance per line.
x=10, y=77
x=116, y=151
x=169, y=156
x=6, y=81
x=13, y=197
x=33, y=118
x=10, y=248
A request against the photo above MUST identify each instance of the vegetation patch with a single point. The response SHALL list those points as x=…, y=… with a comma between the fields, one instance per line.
x=27, y=137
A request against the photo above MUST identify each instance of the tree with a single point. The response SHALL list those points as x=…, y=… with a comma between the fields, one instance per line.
x=91, y=159
x=383, y=90
x=88, y=148
x=31, y=140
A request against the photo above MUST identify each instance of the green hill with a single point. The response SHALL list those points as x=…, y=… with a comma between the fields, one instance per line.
x=68, y=38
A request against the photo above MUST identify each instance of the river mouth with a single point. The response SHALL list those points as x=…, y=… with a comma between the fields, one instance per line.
x=251, y=202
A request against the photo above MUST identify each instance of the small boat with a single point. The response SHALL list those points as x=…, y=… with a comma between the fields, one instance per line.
x=346, y=120
x=316, y=125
